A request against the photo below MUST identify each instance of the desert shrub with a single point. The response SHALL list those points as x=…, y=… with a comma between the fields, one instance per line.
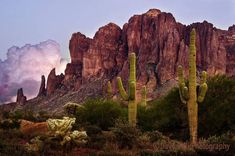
x=126, y=135
x=15, y=149
x=9, y=124
x=224, y=138
x=60, y=137
x=5, y=114
x=42, y=116
x=167, y=115
x=216, y=113
x=96, y=140
x=12, y=143
x=100, y=112
x=156, y=136
x=26, y=115
x=92, y=130
x=70, y=108
x=16, y=115
x=145, y=118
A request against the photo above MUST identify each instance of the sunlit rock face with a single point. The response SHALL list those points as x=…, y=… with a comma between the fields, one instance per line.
x=161, y=44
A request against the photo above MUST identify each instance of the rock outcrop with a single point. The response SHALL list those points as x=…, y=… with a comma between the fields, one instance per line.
x=100, y=58
x=160, y=44
x=42, y=89
x=21, y=99
x=53, y=82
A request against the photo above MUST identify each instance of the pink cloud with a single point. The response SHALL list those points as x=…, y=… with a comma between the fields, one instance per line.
x=25, y=65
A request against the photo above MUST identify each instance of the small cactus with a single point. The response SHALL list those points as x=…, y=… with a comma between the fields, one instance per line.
x=62, y=127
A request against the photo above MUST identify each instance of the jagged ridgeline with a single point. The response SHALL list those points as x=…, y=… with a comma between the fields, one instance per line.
x=160, y=43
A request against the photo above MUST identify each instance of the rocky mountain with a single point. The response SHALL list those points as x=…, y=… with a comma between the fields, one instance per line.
x=160, y=43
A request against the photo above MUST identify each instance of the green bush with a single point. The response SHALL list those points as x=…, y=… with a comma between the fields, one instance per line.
x=26, y=115
x=9, y=124
x=216, y=113
x=100, y=112
x=126, y=135
x=145, y=118
x=167, y=115
x=12, y=143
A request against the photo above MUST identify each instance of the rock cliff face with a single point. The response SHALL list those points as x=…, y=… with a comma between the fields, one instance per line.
x=161, y=44
x=53, y=82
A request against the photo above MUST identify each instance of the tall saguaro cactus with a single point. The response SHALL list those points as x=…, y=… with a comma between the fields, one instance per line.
x=131, y=95
x=189, y=95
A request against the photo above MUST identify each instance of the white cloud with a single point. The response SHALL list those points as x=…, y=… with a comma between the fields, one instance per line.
x=24, y=66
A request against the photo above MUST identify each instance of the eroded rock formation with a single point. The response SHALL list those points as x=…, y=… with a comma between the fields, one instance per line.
x=42, y=89
x=53, y=82
x=160, y=44
x=21, y=99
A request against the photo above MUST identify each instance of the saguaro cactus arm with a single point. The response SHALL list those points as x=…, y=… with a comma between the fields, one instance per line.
x=202, y=88
x=183, y=90
x=121, y=89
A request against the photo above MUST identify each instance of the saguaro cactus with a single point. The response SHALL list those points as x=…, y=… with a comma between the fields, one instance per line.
x=189, y=95
x=131, y=96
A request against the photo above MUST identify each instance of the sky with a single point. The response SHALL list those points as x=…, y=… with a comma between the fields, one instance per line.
x=34, y=34
x=34, y=21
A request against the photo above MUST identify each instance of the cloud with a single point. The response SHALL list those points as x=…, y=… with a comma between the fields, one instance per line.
x=25, y=65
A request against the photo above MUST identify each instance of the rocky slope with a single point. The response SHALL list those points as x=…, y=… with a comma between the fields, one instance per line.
x=161, y=44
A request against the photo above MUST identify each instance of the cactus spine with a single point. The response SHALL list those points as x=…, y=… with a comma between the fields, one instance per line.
x=189, y=94
x=131, y=96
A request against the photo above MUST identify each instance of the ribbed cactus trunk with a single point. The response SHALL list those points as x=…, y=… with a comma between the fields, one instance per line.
x=132, y=106
x=189, y=94
x=192, y=102
x=131, y=96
